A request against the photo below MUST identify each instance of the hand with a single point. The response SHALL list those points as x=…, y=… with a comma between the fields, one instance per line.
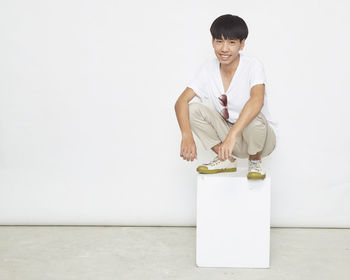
x=226, y=148
x=188, y=148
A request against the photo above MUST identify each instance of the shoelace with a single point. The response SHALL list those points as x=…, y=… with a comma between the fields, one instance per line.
x=255, y=165
x=215, y=161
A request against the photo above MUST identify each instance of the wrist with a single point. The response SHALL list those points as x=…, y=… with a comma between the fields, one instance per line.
x=187, y=135
x=233, y=134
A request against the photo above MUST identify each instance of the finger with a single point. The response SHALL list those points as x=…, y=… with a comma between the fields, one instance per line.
x=188, y=155
x=193, y=155
x=182, y=153
x=183, y=150
x=230, y=154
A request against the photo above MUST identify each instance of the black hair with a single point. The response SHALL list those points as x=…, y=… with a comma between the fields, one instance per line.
x=230, y=26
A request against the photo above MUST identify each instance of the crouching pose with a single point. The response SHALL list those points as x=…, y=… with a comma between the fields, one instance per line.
x=238, y=122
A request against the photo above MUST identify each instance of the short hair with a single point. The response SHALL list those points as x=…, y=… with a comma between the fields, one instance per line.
x=230, y=27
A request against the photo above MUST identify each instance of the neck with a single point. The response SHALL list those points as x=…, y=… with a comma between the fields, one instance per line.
x=230, y=68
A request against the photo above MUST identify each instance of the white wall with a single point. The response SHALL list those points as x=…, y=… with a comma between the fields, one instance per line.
x=88, y=132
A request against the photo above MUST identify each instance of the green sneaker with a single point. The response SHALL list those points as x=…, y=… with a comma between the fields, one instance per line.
x=255, y=170
x=217, y=166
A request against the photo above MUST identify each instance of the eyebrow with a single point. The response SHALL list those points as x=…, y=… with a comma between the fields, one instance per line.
x=227, y=39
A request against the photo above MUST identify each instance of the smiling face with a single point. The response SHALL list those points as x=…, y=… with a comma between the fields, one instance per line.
x=227, y=50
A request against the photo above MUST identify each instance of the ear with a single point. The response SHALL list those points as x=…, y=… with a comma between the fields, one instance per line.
x=242, y=44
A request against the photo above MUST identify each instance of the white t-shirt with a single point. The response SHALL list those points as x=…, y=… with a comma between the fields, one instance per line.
x=207, y=84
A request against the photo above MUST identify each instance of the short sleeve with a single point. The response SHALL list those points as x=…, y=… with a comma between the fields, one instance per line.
x=200, y=82
x=257, y=74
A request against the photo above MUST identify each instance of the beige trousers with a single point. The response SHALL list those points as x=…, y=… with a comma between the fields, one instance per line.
x=211, y=128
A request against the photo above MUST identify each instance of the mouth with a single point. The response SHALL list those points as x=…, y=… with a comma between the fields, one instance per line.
x=224, y=56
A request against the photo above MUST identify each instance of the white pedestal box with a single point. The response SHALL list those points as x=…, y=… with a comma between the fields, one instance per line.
x=233, y=221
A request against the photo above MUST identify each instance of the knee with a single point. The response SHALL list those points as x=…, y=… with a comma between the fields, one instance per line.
x=258, y=123
x=194, y=107
x=194, y=110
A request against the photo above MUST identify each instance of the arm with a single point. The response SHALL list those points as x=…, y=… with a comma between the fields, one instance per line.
x=188, y=147
x=250, y=110
x=182, y=113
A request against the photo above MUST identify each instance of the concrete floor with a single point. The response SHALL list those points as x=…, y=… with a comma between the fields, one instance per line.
x=101, y=253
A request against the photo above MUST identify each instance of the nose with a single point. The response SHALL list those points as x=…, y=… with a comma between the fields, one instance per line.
x=225, y=46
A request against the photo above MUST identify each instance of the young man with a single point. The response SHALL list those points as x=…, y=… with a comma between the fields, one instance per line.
x=240, y=123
